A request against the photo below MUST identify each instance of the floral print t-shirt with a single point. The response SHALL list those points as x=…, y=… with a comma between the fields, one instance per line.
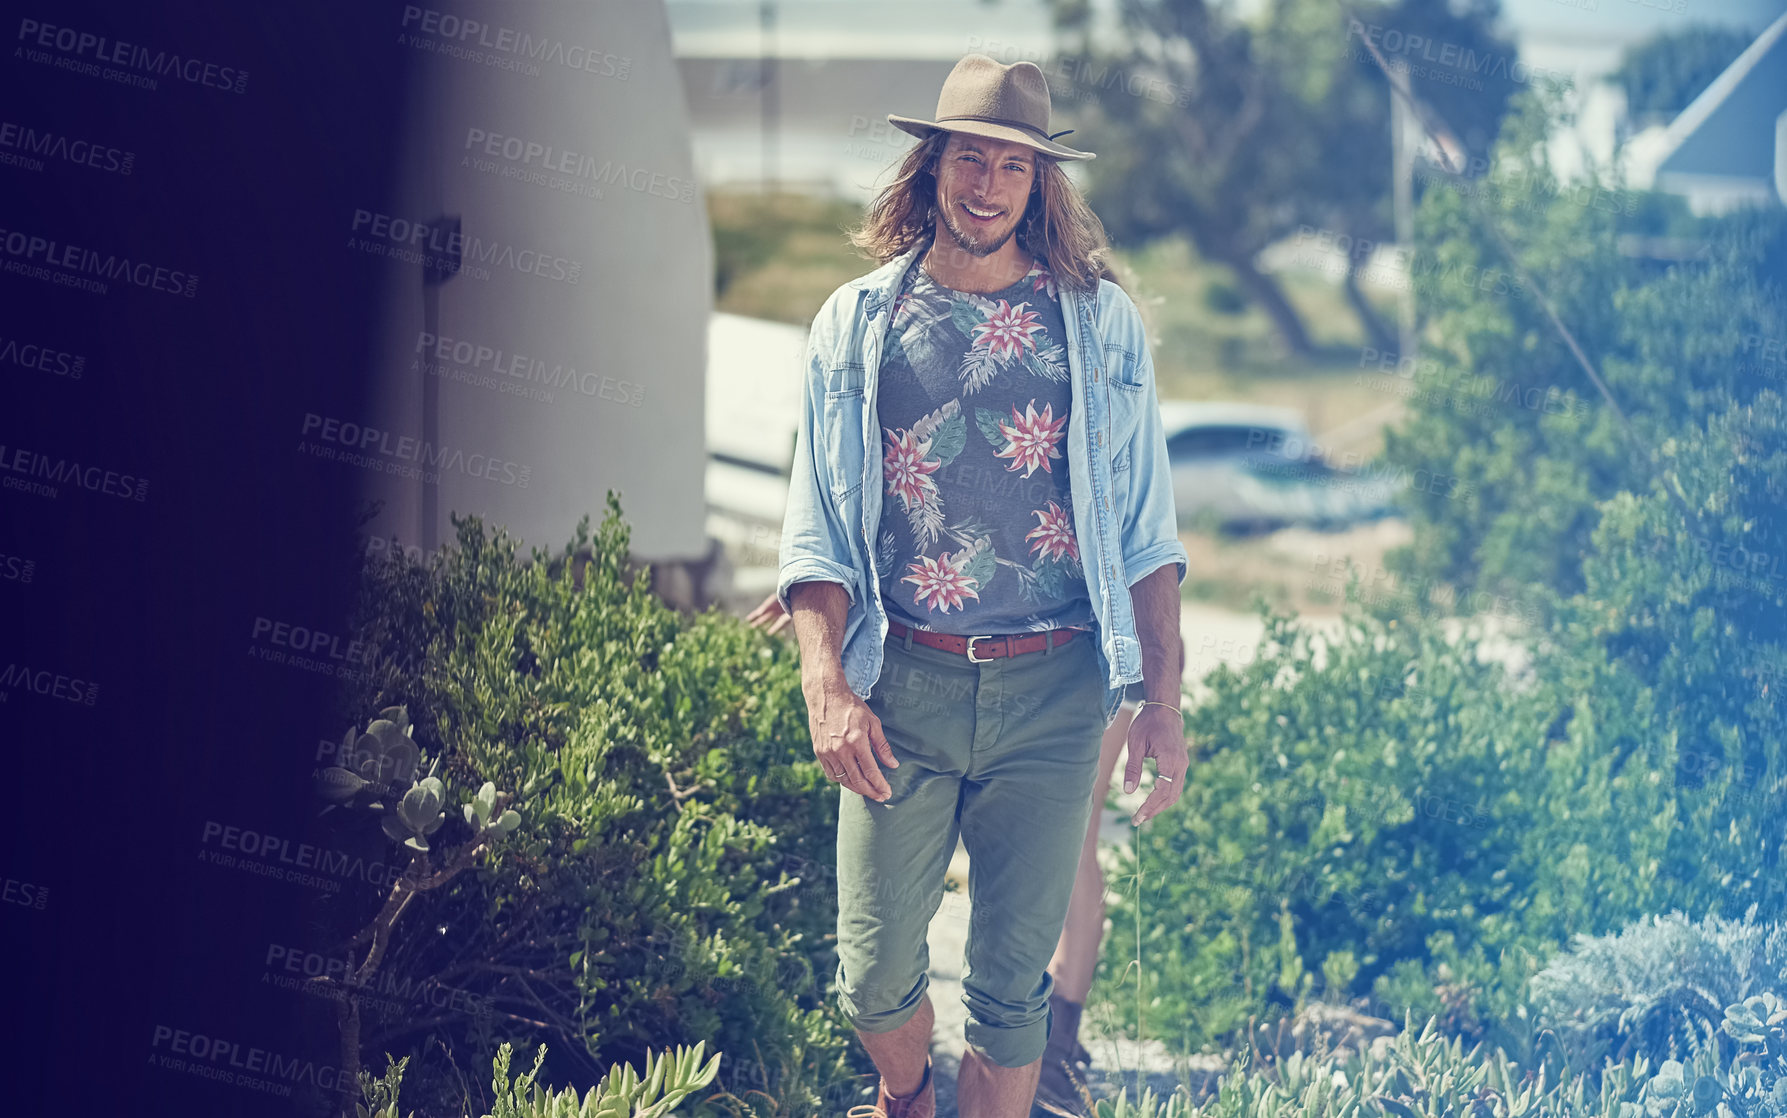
x=976, y=532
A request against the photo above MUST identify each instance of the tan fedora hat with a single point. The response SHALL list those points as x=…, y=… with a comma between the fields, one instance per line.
x=983, y=97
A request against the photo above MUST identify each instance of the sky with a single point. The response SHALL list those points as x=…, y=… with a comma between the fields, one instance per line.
x=1583, y=39
x=1581, y=33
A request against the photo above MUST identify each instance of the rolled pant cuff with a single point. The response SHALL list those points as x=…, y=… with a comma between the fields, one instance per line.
x=887, y=1020
x=1009, y=1047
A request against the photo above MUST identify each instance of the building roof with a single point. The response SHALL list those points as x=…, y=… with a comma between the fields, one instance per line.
x=1728, y=132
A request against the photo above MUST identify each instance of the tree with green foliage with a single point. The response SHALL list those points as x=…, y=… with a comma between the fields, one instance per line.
x=1401, y=819
x=1239, y=134
x=1665, y=72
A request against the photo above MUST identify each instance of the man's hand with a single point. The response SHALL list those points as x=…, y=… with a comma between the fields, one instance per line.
x=1159, y=733
x=847, y=737
x=770, y=616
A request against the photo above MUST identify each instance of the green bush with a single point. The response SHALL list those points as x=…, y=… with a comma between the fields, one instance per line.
x=1404, y=820
x=1659, y=553
x=1658, y=986
x=662, y=765
x=669, y=1078
x=1634, y=767
x=1423, y=1073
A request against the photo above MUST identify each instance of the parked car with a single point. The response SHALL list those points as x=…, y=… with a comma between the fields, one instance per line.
x=1251, y=467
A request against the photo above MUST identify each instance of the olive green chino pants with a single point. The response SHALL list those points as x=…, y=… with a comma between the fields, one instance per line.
x=1003, y=753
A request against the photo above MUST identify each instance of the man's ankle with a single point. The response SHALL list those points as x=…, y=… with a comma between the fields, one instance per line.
x=918, y=1085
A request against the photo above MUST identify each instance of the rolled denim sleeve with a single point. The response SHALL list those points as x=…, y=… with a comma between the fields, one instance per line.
x=815, y=542
x=1151, y=524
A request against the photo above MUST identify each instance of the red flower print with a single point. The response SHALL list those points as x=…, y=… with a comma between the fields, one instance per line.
x=1031, y=439
x=941, y=583
x=1054, y=536
x=1007, y=332
x=906, y=470
x=1044, y=280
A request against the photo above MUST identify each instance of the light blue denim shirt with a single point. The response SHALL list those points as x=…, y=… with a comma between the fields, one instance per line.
x=1122, y=487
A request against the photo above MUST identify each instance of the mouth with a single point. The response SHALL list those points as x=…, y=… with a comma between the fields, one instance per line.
x=981, y=216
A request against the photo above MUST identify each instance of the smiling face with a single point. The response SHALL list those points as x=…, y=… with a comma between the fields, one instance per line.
x=983, y=187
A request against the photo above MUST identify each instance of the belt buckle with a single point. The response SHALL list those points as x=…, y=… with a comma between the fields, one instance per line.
x=970, y=650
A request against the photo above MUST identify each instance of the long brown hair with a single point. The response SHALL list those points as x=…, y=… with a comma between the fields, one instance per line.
x=1058, y=225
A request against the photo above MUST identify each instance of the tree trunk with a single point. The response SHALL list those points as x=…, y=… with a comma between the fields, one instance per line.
x=1265, y=292
x=1382, y=338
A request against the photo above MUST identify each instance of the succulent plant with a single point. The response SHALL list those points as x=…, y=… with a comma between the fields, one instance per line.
x=1668, y=1091
x=418, y=814
x=1758, y=1020
x=374, y=761
x=481, y=807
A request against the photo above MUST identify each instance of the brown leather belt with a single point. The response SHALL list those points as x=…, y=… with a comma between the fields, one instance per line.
x=980, y=649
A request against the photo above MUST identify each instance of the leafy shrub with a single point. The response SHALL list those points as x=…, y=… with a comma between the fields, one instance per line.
x=669, y=1078
x=1658, y=985
x=1426, y=1074
x=662, y=765
x=622, y=1093
x=1397, y=818
x=1650, y=535
x=1393, y=816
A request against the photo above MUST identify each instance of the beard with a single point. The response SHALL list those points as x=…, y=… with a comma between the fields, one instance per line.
x=968, y=242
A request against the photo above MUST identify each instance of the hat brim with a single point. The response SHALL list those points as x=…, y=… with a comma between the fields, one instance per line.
x=923, y=128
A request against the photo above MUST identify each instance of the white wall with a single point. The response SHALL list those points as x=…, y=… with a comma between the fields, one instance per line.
x=549, y=95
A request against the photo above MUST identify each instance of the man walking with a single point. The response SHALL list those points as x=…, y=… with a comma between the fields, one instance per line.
x=980, y=554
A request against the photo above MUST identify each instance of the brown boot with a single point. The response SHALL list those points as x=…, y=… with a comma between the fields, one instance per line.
x=1059, y=1088
x=1068, y=1013
x=921, y=1103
